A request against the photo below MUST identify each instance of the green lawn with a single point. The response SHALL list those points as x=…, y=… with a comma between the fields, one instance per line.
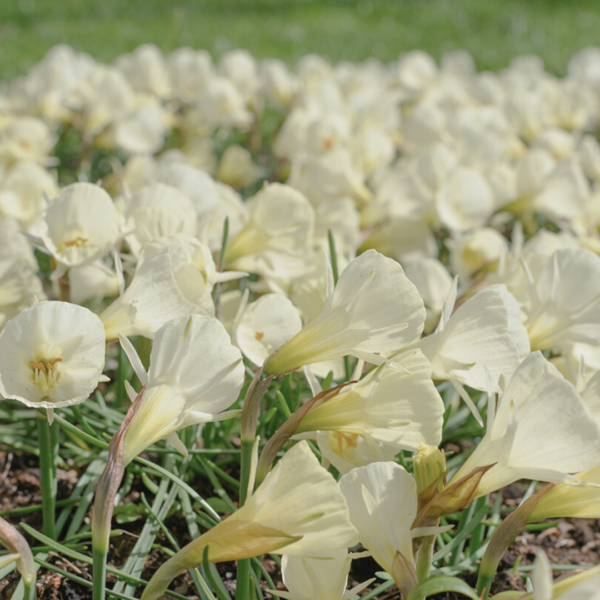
x=494, y=31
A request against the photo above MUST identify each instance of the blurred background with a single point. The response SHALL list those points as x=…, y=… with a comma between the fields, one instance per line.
x=494, y=31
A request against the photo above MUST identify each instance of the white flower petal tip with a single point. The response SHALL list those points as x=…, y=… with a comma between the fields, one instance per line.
x=179, y=445
x=134, y=359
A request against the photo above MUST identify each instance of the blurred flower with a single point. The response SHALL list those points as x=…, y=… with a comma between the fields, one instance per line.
x=80, y=226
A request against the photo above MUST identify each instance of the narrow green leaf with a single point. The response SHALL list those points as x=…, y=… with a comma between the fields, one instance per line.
x=439, y=584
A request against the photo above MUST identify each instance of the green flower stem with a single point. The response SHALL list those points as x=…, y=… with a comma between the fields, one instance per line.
x=104, y=502
x=242, y=587
x=242, y=582
x=48, y=438
x=30, y=591
x=425, y=557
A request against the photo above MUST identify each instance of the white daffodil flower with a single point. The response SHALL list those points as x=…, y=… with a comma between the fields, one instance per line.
x=472, y=252
x=484, y=332
x=195, y=373
x=374, y=308
x=22, y=191
x=174, y=278
x=237, y=168
x=266, y=324
x=541, y=430
x=19, y=283
x=277, y=235
x=26, y=138
x=94, y=280
x=584, y=585
x=158, y=210
x=382, y=498
x=318, y=578
x=433, y=283
x=51, y=355
x=297, y=510
x=465, y=201
x=81, y=225
x=388, y=410
x=565, y=300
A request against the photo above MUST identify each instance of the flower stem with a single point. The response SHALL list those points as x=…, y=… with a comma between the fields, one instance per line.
x=30, y=591
x=99, y=570
x=242, y=585
x=48, y=437
x=425, y=558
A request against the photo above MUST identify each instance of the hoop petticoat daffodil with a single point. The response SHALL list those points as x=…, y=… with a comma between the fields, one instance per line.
x=174, y=278
x=485, y=332
x=51, y=355
x=584, y=585
x=541, y=430
x=80, y=225
x=389, y=410
x=382, y=498
x=318, y=578
x=277, y=235
x=195, y=374
x=297, y=510
x=374, y=308
x=571, y=501
x=565, y=300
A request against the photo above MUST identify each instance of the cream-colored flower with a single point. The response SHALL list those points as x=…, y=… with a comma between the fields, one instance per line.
x=92, y=281
x=51, y=355
x=389, y=410
x=146, y=70
x=472, y=252
x=174, y=278
x=465, y=201
x=433, y=283
x=26, y=139
x=158, y=210
x=541, y=430
x=195, y=373
x=81, y=225
x=267, y=324
x=277, y=235
x=19, y=283
x=382, y=498
x=565, y=300
x=318, y=578
x=237, y=168
x=297, y=510
x=484, y=332
x=584, y=585
x=374, y=308
x=22, y=192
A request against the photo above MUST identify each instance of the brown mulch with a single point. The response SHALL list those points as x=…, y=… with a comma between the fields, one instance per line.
x=571, y=541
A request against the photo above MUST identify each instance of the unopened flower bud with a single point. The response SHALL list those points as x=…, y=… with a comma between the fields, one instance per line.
x=429, y=466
